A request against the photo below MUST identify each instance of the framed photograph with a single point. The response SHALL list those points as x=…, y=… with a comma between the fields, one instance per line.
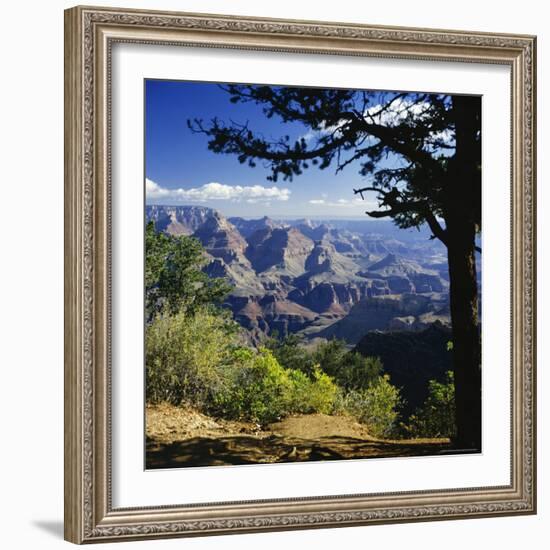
x=300, y=274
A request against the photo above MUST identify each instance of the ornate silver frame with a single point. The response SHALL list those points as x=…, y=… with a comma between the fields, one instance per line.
x=89, y=35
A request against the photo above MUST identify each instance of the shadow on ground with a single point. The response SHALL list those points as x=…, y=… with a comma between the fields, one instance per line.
x=52, y=527
x=219, y=451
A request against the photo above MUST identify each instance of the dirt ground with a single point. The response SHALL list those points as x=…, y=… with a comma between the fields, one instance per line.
x=178, y=437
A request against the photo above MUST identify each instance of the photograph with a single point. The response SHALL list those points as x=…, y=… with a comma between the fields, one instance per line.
x=281, y=309
x=313, y=281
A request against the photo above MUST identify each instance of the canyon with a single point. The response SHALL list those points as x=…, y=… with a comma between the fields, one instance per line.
x=318, y=278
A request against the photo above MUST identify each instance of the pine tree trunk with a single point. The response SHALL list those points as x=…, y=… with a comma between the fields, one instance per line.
x=462, y=218
x=466, y=340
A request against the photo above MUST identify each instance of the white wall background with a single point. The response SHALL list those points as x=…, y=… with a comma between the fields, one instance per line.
x=31, y=273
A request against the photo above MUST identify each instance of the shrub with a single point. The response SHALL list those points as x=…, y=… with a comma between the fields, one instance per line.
x=195, y=359
x=185, y=356
x=264, y=391
x=349, y=369
x=376, y=406
x=258, y=387
x=316, y=394
x=436, y=417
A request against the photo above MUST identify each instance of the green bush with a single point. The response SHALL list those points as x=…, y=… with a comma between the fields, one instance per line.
x=376, y=407
x=436, y=417
x=349, y=369
x=263, y=391
x=316, y=394
x=186, y=355
x=196, y=359
x=258, y=388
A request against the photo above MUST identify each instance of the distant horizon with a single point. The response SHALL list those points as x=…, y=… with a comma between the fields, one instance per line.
x=281, y=216
x=383, y=225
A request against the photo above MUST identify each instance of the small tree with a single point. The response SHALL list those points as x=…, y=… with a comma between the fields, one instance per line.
x=174, y=280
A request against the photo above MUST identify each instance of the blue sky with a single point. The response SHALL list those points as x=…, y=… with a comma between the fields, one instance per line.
x=181, y=170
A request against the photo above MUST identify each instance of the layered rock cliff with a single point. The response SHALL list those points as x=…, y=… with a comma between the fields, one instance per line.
x=311, y=277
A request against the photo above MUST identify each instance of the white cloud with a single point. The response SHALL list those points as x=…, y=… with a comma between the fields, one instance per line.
x=343, y=203
x=351, y=202
x=399, y=110
x=155, y=191
x=218, y=191
x=397, y=113
x=323, y=130
x=445, y=136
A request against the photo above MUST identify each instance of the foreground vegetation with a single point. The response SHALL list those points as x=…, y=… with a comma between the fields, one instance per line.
x=196, y=356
